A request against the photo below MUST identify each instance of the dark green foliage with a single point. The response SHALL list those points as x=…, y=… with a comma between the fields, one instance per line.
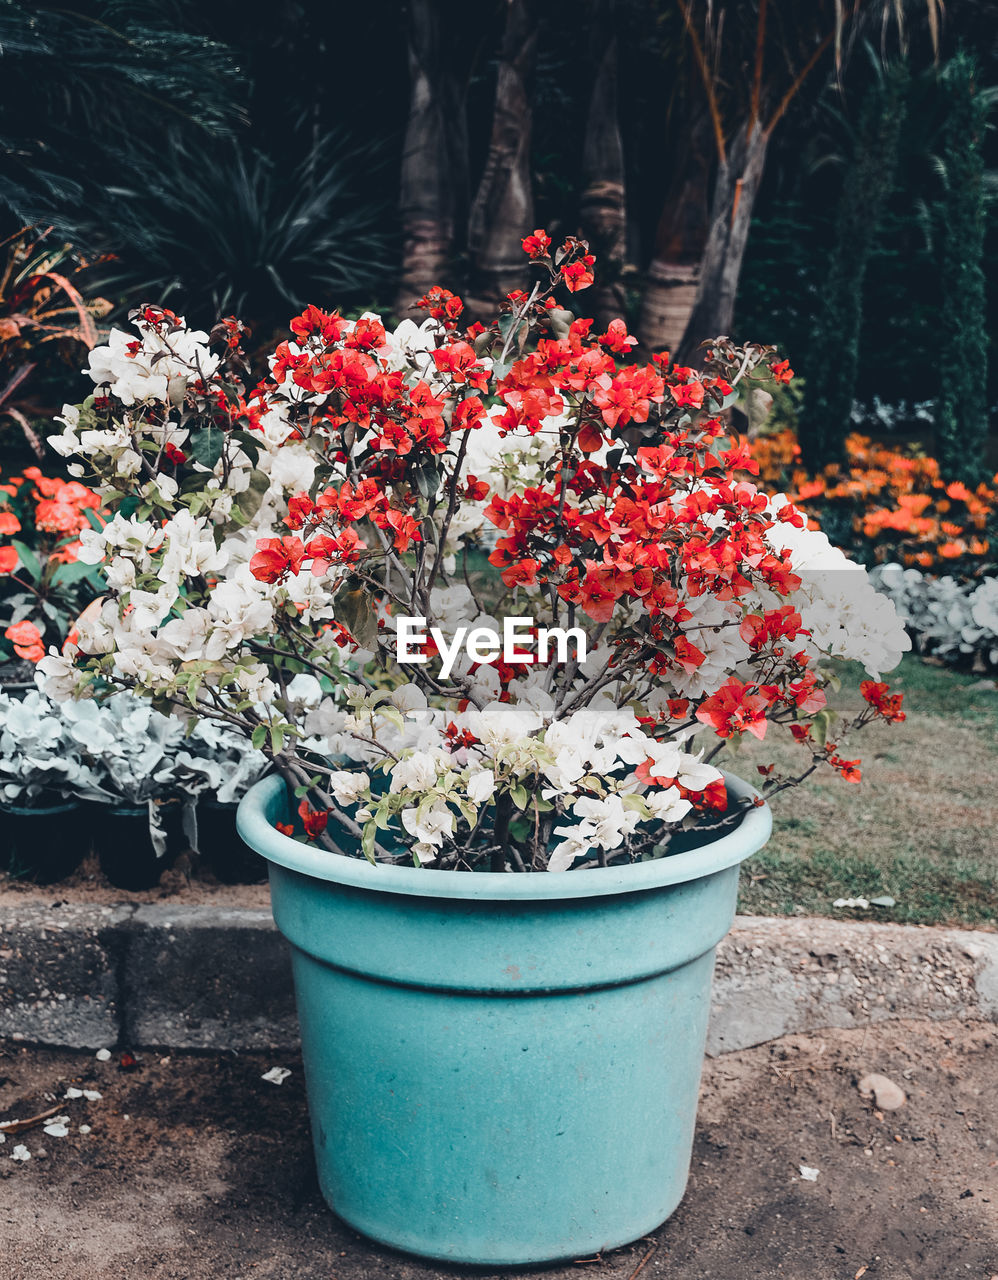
x=76, y=82
x=833, y=356
x=776, y=295
x=228, y=230
x=961, y=415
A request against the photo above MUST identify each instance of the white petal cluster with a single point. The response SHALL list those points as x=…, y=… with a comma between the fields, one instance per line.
x=838, y=602
x=951, y=619
x=157, y=367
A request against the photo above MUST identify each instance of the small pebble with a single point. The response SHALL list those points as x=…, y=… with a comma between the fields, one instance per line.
x=887, y=1095
x=103, y=1055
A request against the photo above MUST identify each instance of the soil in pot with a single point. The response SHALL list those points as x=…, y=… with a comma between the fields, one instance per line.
x=222, y=849
x=17, y=677
x=124, y=847
x=42, y=843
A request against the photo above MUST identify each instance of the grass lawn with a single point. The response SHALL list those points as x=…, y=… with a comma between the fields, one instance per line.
x=922, y=826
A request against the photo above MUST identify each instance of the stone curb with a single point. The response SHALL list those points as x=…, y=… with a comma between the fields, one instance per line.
x=85, y=977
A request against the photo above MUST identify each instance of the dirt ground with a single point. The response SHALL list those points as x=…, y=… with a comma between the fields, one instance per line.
x=195, y=1169
x=183, y=883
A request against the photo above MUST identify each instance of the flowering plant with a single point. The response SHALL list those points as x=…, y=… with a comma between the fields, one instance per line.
x=952, y=620
x=890, y=504
x=42, y=761
x=219, y=763
x=372, y=511
x=42, y=584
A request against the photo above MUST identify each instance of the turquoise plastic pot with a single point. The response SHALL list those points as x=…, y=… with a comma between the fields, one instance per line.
x=501, y=1069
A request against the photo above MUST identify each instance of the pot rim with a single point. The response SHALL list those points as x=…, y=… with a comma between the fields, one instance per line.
x=22, y=810
x=259, y=805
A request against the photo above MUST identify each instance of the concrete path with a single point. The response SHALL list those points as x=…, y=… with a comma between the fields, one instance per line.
x=204, y=977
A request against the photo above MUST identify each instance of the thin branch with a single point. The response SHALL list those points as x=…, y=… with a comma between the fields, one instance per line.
x=708, y=83
x=760, y=46
x=795, y=88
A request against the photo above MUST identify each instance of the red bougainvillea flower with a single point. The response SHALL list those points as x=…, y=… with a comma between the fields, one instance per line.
x=536, y=245
x=8, y=560
x=885, y=703
x=522, y=573
x=321, y=324
x=578, y=275
x=9, y=522
x=313, y=820
x=442, y=305
x=734, y=709
x=27, y=641
x=848, y=770
x=275, y=557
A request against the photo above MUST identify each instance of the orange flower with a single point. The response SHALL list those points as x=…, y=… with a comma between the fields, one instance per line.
x=68, y=553
x=8, y=560
x=9, y=522
x=27, y=641
x=59, y=517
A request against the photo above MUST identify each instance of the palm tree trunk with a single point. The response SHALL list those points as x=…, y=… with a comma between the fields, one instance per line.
x=736, y=186
x=503, y=209
x=603, y=205
x=674, y=272
x=431, y=160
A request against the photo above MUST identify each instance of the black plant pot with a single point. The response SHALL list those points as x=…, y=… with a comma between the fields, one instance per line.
x=43, y=844
x=124, y=848
x=222, y=849
x=17, y=677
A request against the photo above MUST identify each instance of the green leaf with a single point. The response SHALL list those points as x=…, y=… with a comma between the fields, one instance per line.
x=248, y=502
x=259, y=737
x=427, y=479
x=520, y=796
x=521, y=829
x=367, y=843
x=819, y=727
x=27, y=558
x=193, y=482
x=66, y=574
x=249, y=444
x=206, y=445
x=352, y=609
